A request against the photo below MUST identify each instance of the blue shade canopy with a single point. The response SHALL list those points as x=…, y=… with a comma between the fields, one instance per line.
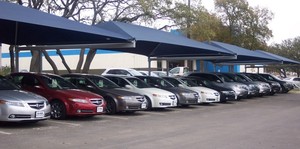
x=155, y=43
x=25, y=26
x=244, y=56
x=281, y=58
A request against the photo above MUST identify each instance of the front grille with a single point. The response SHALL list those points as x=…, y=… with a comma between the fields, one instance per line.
x=22, y=116
x=165, y=104
x=172, y=97
x=96, y=101
x=87, y=111
x=210, y=99
x=37, y=105
x=133, y=107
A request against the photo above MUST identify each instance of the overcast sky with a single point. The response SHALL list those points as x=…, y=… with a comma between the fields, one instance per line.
x=286, y=21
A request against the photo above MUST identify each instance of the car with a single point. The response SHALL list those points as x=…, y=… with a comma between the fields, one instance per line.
x=285, y=86
x=179, y=71
x=226, y=94
x=156, y=98
x=117, y=99
x=240, y=89
x=17, y=105
x=275, y=86
x=264, y=88
x=185, y=97
x=294, y=80
x=65, y=98
x=231, y=77
x=122, y=71
x=206, y=95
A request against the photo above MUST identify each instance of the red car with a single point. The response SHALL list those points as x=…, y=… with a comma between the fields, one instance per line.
x=64, y=97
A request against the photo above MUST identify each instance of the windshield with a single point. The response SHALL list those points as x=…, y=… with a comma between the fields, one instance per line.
x=255, y=77
x=161, y=82
x=173, y=81
x=226, y=78
x=103, y=82
x=7, y=85
x=135, y=73
x=56, y=82
x=138, y=83
x=247, y=79
x=190, y=82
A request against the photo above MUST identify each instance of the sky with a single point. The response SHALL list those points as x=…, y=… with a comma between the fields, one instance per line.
x=286, y=21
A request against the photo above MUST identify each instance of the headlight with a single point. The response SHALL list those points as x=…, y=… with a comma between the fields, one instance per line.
x=160, y=96
x=12, y=103
x=125, y=97
x=79, y=100
x=190, y=95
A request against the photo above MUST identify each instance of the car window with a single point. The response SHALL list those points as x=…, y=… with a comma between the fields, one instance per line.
x=191, y=82
x=175, y=70
x=119, y=81
x=138, y=83
x=173, y=81
x=103, y=82
x=7, y=85
x=296, y=79
x=56, y=82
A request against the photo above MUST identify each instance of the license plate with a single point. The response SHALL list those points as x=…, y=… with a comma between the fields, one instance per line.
x=99, y=109
x=143, y=106
x=39, y=114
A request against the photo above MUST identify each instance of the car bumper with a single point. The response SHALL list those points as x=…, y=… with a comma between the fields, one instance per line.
x=17, y=114
x=209, y=98
x=158, y=102
x=133, y=106
x=79, y=109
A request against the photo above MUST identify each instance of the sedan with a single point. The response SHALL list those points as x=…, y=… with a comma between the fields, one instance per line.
x=117, y=100
x=207, y=95
x=156, y=98
x=65, y=98
x=185, y=97
x=285, y=86
x=18, y=106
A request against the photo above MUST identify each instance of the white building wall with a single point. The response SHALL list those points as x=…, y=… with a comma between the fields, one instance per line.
x=100, y=61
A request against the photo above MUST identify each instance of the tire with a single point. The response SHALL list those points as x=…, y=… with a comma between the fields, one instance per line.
x=111, y=107
x=149, y=104
x=58, y=110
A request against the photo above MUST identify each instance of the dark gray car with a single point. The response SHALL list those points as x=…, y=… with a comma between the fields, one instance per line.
x=117, y=99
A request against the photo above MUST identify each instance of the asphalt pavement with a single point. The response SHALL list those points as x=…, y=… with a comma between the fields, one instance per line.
x=270, y=122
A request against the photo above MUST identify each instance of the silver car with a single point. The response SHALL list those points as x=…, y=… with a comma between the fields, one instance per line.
x=17, y=105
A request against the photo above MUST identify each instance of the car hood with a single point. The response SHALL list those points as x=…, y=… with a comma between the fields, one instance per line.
x=19, y=95
x=203, y=89
x=121, y=92
x=77, y=93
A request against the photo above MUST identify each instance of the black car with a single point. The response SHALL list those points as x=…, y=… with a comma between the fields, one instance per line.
x=117, y=100
x=275, y=86
x=231, y=77
x=226, y=94
x=285, y=86
x=185, y=97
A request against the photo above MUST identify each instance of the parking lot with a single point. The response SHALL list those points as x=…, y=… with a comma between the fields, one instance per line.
x=267, y=122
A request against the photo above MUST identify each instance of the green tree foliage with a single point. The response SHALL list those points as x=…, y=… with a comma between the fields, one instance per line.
x=247, y=26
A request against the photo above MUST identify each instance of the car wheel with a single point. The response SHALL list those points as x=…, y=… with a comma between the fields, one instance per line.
x=149, y=104
x=111, y=107
x=58, y=110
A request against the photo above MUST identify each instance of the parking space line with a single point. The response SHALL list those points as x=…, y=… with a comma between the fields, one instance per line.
x=65, y=123
x=116, y=117
x=153, y=113
x=5, y=133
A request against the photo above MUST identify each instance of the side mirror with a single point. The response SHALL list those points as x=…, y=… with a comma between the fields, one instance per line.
x=128, y=86
x=180, y=85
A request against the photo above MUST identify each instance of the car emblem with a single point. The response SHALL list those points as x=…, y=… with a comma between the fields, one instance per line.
x=37, y=105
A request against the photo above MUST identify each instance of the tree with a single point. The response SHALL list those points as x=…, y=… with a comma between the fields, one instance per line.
x=247, y=26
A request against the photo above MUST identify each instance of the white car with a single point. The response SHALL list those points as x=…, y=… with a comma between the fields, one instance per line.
x=207, y=95
x=294, y=80
x=122, y=71
x=179, y=71
x=156, y=98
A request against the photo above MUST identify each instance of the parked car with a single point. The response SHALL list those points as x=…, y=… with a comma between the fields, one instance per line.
x=241, y=90
x=226, y=94
x=231, y=77
x=185, y=97
x=117, y=99
x=207, y=95
x=122, y=71
x=156, y=98
x=264, y=88
x=294, y=80
x=65, y=98
x=285, y=86
x=275, y=86
x=19, y=106
x=179, y=71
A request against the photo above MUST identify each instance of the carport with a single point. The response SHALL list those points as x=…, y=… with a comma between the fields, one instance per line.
x=284, y=60
x=25, y=26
